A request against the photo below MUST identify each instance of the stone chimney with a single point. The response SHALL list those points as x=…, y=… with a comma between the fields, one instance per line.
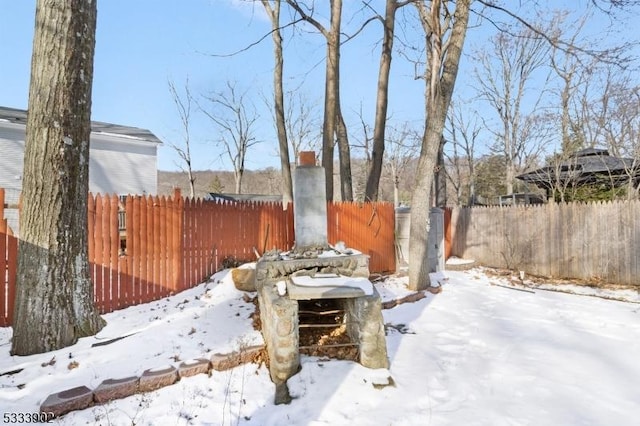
x=309, y=204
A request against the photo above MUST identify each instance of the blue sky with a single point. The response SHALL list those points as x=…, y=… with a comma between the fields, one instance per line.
x=141, y=44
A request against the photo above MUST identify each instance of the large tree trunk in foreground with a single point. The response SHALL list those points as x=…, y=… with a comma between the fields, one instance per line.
x=440, y=82
x=54, y=297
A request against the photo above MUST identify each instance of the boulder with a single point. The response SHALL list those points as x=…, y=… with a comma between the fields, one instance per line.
x=244, y=278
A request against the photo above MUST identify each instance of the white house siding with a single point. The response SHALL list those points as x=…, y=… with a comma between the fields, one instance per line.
x=11, y=155
x=118, y=165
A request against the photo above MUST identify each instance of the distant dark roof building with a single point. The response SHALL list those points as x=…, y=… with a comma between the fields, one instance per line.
x=585, y=167
x=262, y=198
x=519, y=199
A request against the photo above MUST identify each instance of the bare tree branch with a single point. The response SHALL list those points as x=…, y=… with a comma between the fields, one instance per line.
x=184, y=150
x=612, y=56
x=255, y=43
x=235, y=118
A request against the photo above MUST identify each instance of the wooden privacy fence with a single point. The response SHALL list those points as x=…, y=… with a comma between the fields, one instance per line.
x=9, y=259
x=143, y=248
x=169, y=244
x=367, y=227
x=590, y=241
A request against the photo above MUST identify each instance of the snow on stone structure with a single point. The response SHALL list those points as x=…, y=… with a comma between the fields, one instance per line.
x=314, y=270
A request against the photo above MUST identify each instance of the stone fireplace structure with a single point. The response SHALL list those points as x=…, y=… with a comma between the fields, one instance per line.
x=314, y=270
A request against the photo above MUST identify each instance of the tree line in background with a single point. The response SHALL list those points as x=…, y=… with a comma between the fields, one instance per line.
x=540, y=93
x=54, y=303
x=537, y=71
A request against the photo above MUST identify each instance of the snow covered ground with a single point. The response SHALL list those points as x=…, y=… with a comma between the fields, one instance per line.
x=475, y=354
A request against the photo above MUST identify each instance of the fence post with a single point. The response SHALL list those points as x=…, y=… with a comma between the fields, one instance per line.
x=114, y=250
x=152, y=244
x=4, y=303
x=12, y=271
x=177, y=244
x=9, y=255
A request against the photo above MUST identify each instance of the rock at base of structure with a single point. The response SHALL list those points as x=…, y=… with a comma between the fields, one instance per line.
x=282, y=394
x=456, y=264
x=60, y=403
x=111, y=389
x=244, y=278
x=194, y=367
x=156, y=379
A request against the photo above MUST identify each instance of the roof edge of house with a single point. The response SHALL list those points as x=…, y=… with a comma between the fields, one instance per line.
x=19, y=116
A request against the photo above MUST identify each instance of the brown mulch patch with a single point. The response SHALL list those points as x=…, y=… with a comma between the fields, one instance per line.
x=529, y=279
x=260, y=357
x=320, y=337
x=325, y=311
x=256, y=322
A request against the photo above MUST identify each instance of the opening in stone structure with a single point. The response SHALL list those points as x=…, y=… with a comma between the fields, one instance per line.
x=323, y=330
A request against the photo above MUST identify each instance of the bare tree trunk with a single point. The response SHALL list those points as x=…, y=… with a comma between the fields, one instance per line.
x=506, y=73
x=382, y=101
x=235, y=117
x=440, y=178
x=184, y=150
x=192, y=183
x=402, y=145
x=510, y=175
x=301, y=125
x=332, y=88
x=346, y=180
x=238, y=174
x=564, y=120
x=278, y=93
x=463, y=134
x=441, y=73
x=54, y=297
x=396, y=190
x=342, y=136
x=567, y=67
x=472, y=190
x=332, y=85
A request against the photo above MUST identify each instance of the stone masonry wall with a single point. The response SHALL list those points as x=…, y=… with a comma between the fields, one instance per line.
x=366, y=326
x=279, y=314
x=279, y=317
